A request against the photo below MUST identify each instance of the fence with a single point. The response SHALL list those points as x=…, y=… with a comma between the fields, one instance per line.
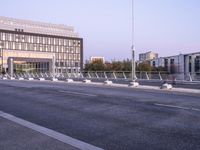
x=111, y=75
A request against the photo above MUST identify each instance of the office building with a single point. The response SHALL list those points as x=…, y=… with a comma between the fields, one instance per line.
x=147, y=56
x=31, y=46
x=182, y=64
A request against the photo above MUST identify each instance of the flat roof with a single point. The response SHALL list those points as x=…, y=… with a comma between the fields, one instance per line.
x=7, y=23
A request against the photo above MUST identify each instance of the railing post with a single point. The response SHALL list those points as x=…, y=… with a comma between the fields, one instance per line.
x=81, y=74
x=160, y=76
x=97, y=75
x=89, y=75
x=114, y=75
x=105, y=75
x=68, y=75
x=147, y=75
x=124, y=75
x=190, y=77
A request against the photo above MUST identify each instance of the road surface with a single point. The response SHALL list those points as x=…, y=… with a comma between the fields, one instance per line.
x=110, y=118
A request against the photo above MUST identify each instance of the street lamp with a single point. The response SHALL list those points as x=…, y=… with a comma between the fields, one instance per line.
x=133, y=82
x=1, y=50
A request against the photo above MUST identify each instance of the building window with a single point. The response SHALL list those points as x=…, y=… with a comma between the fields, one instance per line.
x=197, y=64
x=154, y=64
x=190, y=64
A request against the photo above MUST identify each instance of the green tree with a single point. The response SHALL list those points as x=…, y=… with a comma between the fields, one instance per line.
x=96, y=65
x=127, y=65
x=117, y=66
x=145, y=66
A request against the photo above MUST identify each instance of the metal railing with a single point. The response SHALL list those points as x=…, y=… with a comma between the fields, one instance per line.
x=124, y=75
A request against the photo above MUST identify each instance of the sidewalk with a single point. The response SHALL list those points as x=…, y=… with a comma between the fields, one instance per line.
x=17, y=137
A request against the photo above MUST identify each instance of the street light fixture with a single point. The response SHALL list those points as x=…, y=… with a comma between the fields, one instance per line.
x=133, y=83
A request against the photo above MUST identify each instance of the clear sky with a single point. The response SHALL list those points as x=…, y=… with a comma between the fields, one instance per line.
x=168, y=27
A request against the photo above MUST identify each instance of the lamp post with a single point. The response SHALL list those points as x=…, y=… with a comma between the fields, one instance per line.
x=1, y=49
x=133, y=82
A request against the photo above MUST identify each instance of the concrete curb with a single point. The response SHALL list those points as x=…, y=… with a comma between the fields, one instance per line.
x=141, y=87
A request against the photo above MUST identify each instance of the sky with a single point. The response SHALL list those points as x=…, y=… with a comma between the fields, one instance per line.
x=168, y=27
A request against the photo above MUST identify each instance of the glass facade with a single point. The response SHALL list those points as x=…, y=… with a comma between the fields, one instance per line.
x=68, y=50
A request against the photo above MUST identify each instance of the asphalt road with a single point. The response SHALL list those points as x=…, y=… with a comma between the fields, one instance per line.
x=108, y=117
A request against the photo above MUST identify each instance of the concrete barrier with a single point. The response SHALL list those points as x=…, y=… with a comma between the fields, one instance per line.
x=108, y=82
x=166, y=86
x=42, y=79
x=87, y=81
x=133, y=84
x=30, y=79
x=54, y=79
x=20, y=78
x=12, y=78
x=69, y=80
x=5, y=78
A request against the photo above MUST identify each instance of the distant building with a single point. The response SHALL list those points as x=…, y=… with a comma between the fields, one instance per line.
x=148, y=56
x=95, y=58
x=172, y=64
x=183, y=64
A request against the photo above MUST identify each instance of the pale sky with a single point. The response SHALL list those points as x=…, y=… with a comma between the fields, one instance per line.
x=168, y=27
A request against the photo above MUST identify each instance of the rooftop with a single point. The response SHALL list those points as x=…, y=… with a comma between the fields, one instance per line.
x=7, y=23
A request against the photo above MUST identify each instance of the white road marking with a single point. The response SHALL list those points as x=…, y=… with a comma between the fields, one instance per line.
x=78, y=93
x=179, y=107
x=51, y=133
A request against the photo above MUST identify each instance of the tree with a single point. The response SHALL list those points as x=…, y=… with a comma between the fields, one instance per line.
x=96, y=65
x=127, y=65
x=117, y=66
x=144, y=67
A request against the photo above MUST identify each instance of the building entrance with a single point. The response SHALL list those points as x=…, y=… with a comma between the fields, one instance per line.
x=31, y=67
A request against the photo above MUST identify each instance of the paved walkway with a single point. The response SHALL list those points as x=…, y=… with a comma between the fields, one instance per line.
x=17, y=137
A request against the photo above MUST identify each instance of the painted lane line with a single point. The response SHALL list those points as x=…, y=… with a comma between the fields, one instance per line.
x=179, y=107
x=51, y=133
x=78, y=93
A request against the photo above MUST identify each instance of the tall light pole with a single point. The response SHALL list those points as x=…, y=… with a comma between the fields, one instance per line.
x=1, y=49
x=133, y=76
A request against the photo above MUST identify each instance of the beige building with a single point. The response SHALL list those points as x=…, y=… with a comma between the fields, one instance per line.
x=39, y=47
x=95, y=58
x=148, y=56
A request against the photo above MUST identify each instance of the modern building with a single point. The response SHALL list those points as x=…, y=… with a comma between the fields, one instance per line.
x=180, y=64
x=148, y=56
x=29, y=46
x=173, y=64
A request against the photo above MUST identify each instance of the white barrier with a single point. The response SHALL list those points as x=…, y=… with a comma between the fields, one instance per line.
x=107, y=82
x=30, y=79
x=166, y=86
x=54, y=79
x=133, y=84
x=87, y=81
x=42, y=79
x=20, y=78
x=69, y=80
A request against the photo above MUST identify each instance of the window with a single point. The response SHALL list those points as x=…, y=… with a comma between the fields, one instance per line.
x=190, y=63
x=3, y=36
x=197, y=64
